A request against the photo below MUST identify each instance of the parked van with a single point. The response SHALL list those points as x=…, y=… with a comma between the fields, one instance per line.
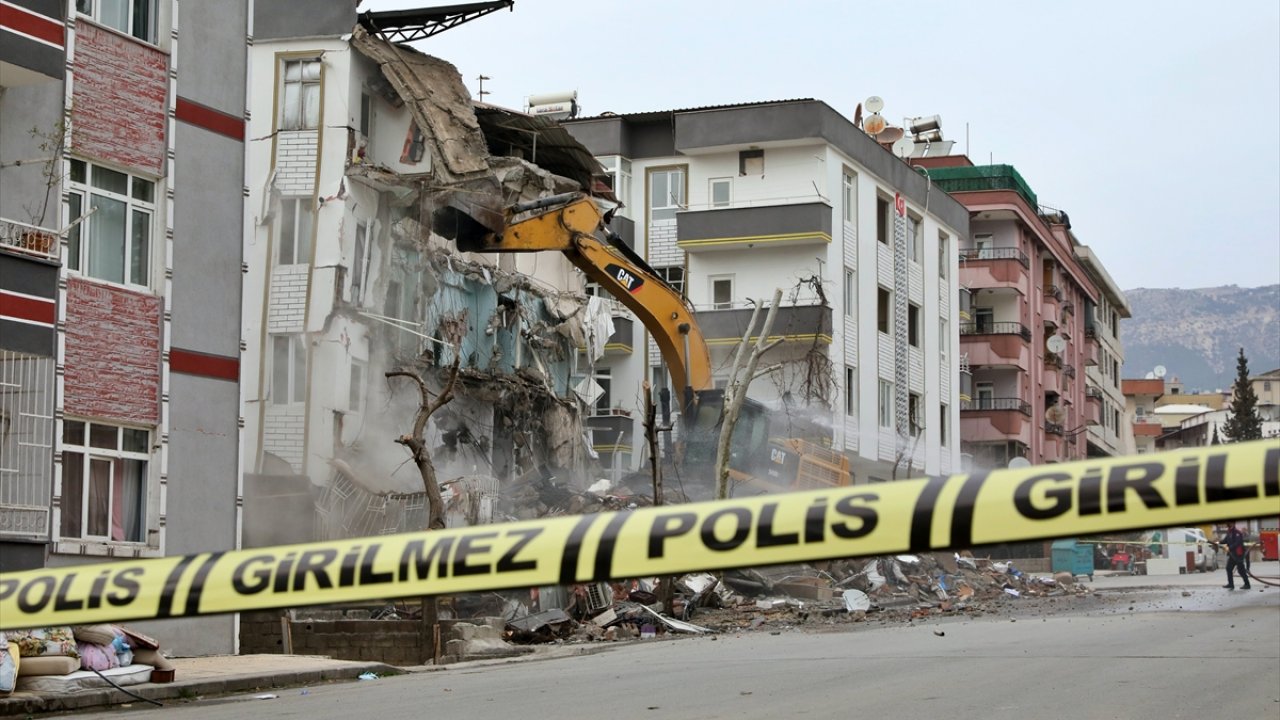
x=1175, y=543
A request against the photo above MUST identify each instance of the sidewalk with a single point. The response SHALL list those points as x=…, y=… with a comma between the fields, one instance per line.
x=203, y=676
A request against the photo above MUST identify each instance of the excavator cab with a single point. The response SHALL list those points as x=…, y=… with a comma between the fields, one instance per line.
x=701, y=432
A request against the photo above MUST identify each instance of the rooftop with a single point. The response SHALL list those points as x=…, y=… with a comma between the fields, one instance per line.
x=983, y=177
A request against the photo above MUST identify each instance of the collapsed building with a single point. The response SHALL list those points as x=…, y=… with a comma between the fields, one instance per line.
x=349, y=276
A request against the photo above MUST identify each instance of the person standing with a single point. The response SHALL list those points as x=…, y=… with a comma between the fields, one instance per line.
x=1234, y=540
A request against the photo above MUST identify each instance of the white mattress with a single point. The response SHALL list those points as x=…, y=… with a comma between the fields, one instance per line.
x=82, y=680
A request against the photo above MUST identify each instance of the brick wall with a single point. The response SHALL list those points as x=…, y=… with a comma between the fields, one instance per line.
x=663, y=252
x=112, y=353
x=288, y=304
x=120, y=99
x=283, y=433
x=395, y=642
x=296, y=162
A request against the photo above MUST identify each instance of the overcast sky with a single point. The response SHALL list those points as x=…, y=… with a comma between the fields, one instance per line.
x=1155, y=125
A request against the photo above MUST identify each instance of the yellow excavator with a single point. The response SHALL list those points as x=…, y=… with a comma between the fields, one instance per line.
x=573, y=224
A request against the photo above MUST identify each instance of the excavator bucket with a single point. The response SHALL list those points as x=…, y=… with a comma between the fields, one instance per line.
x=467, y=222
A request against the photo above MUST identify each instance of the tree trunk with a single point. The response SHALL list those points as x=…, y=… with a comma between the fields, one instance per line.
x=736, y=393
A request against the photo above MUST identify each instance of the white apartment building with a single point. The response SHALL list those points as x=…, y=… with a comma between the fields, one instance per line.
x=728, y=203
x=1112, y=434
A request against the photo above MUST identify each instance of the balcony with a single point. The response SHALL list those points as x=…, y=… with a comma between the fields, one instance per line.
x=996, y=350
x=1093, y=393
x=769, y=225
x=995, y=404
x=996, y=328
x=28, y=239
x=1090, y=350
x=1053, y=428
x=795, y=323
x=995, y=267
x=32, y=51
x=1069, y=371
x=622, y=341
x=610, y=430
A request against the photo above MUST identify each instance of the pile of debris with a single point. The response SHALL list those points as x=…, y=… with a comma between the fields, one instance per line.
x=891, y=588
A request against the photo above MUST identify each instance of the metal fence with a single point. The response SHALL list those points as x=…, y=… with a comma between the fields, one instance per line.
x=26, y=444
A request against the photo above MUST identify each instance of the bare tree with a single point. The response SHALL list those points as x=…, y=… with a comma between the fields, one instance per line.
x=744, y=371
x=416, y=440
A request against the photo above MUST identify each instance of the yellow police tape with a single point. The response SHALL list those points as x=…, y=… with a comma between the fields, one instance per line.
x=1079, y=498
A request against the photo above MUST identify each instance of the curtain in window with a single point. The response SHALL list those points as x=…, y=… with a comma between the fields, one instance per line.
x=130, y=500
x=99, y=497
x=140, y=249
x=72, y=494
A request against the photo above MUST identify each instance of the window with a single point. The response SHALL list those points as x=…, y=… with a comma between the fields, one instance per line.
x=914, y=421
x=1266, y=386
x=666, y=193
x=104, y=481
x=604, y=378
x=850, y=391
x=357, y=263
x=849, y=198
x=915, y=239
x=882, y=220
x=942, y=425
x=722, y=292
x=913, y=325
x=886, y=404
x=1115, y=419
x=366, y=115
x=300, y=109
x=944, y=255
x=1115, y=373
x=295, y=230
x=114, y=243
x=355, y=390
x=944, y=342
x=751, y=162
x=984, y=318
x=288, y=369
x=721, y=192
x=884, y=311
x=982, y=243
x=672, y=275
x=985, y=392
x=132, y=17
x=619, y=178
x=1141, y=412
x=850, y=291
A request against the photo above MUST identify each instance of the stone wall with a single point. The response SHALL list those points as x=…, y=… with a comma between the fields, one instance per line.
x=394, y=642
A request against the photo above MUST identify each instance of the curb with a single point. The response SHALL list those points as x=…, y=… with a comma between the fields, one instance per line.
x=31, y=703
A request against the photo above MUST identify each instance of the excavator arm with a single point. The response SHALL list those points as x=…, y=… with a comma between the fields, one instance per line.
x=568, y=223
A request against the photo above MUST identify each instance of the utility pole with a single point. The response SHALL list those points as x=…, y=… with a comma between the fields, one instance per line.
x=482, y=92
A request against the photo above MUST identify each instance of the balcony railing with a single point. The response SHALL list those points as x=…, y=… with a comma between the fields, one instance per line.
x=1090, y=331
x=1093, y=393
x=1069, y=371
x=996, y=328
x=1053, y=291
x=982, y=404
x=1001, y=253
x=28, y=239
x=1053, y=428
x=1069, y=307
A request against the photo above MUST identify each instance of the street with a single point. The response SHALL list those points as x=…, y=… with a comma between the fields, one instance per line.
x=1152, y=653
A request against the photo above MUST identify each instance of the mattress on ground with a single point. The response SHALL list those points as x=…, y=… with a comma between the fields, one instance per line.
x=82, y=680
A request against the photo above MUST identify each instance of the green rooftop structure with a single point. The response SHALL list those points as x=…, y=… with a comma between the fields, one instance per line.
x=983, y=177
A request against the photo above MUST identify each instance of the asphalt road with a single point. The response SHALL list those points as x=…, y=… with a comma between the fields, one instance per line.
x=1154, y=653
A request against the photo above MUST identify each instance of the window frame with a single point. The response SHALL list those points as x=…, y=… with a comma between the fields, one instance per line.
x=667, y=274
x=883, y=207
x=80, y=240
x=850, y=290
x=850, y=391
x=292, y=207
x=884, y=310
x=295, y=369
x=944, y=255
x=915, y=238
x=712, y=281
x=746, y=164
x=944, y=411
x=116, y=456
x=357, y=380
x=677, y=203
x=885, y=404
x=712, y=183
x=849, y=196
x=151, y=19
x=915, y=403
x=618, y=168
x=302, y=123
x=913, y=325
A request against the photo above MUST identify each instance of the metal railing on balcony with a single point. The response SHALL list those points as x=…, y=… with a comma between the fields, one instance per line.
x=1093, y=393
x=1069, y=307
x=1069, y=371
x=996, y=328
x=1000, y=253
x=1090, y=331
x=1053, y=291
x=1052, y=359
x=981, y=404
x=28, y=239
x=1053, y=428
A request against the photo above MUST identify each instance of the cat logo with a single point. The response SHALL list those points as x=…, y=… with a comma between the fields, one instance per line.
x=624, y=277
x=778, y=456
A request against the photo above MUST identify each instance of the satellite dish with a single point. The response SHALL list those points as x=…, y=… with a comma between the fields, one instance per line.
x=1160, y=371
x=1056, y=344
x=903, y=147
x=874, y=104
x=874, y=124
x=889, y=135
x=1019, y=462
x=1055, y=414
x=1150, y=376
